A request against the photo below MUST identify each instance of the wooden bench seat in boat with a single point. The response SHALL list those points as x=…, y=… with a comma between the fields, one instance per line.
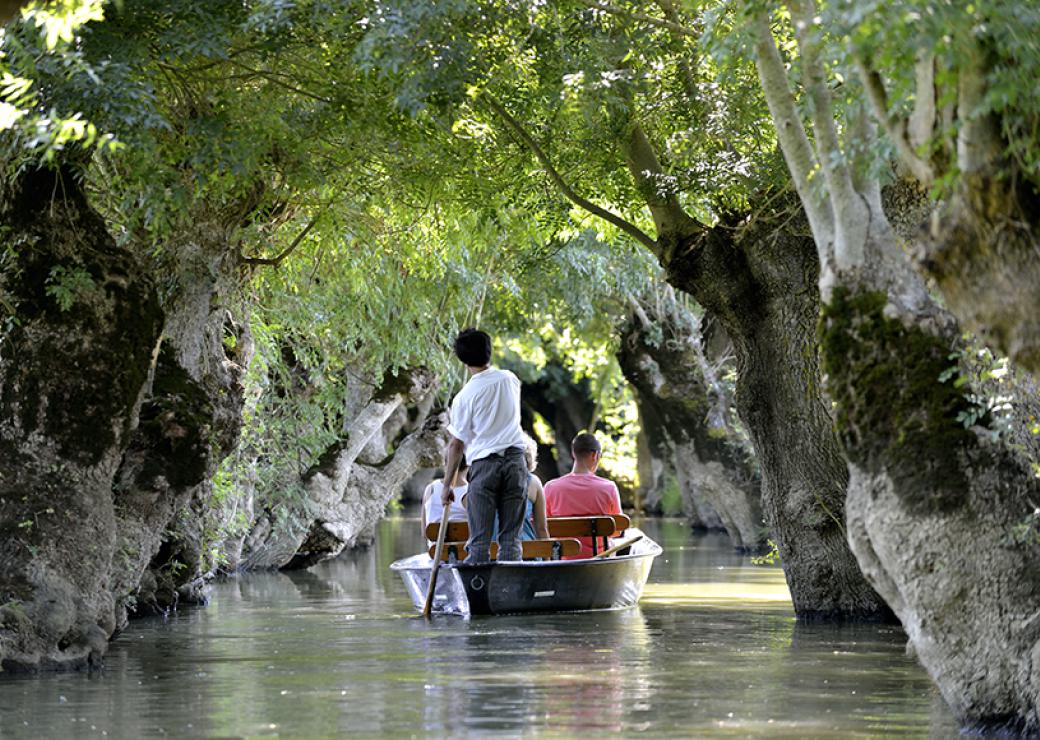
x=551, y=549
x=613, y=525
x=598, y=528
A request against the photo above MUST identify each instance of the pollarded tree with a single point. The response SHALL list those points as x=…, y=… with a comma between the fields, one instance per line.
x=244, y=136
x=931, y=466
x=683, y=407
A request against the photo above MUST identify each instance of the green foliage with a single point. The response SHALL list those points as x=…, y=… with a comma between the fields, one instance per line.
x=67, y=285
x=770, y=558
x=38, y=53
x=1000, y=36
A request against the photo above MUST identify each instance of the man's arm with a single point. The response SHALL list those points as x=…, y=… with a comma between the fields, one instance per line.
x=617, y=500
x=453, y=458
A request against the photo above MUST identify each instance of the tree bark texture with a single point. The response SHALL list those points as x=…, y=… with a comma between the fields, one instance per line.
x=658, y=473
x=934, y=506
x=342, y=496
x=71, y=385
x=713, y=470
x=191, y=420
x=983, y=251
x=566, y=407
x=760, y=283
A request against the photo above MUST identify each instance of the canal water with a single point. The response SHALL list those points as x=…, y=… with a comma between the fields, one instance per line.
x=712, y=650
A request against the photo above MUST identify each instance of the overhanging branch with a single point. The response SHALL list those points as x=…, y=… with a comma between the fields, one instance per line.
x=790, y=131
x=518, y=130
x=277, y=260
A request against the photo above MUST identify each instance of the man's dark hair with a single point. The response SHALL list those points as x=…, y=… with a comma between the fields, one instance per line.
x=585, y=443
x=473, y=347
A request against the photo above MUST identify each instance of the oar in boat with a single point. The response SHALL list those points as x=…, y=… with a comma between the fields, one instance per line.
x=437, y=553
x=620, y=546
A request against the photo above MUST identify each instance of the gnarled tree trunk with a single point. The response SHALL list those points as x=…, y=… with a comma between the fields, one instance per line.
x=341, y=499
x=72, y=378
x=191, y=421
x=762, y=288
x=566, y=407
x=933, y=505
x=713, y=470
x=760, y=284
x=938, y=492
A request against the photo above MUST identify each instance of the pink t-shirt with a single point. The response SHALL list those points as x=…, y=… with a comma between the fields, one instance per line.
x=582, y=494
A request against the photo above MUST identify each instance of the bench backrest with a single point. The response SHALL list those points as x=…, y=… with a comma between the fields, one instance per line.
x=559, y=526
x=457, y=531
x=584, y=526
x=545, y=549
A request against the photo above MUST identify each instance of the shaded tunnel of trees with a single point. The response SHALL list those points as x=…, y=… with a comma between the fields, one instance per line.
x=783, y=256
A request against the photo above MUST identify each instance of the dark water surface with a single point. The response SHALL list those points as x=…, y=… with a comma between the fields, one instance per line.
x=712, y=650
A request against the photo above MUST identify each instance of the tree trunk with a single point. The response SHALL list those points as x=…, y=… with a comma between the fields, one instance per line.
x=983, y=252
x=337, y=505
x=934, y=506
x=761, y=285
x=191, y=421
x=350, y=519
x=712, y=469
x=565, y=406
x=11, y=9
x=72, y=378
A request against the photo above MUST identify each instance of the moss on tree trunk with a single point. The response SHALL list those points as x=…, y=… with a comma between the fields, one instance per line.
x=75, y=357
x=760, y=281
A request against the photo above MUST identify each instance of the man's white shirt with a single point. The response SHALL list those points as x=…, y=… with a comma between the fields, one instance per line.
x=485, y=415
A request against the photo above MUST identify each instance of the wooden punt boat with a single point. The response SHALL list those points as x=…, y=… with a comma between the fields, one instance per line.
x=613, y=582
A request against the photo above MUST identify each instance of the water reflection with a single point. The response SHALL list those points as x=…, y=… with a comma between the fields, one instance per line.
x=713, y=649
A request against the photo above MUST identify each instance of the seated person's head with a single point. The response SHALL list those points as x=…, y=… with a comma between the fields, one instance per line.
x=530, y=453
x=585, y=447
x=473, y=348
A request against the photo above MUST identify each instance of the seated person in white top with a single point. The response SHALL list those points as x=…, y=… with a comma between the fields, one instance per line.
x=485, y=427
x=432, y=506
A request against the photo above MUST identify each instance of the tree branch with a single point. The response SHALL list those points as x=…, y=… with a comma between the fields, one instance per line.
x=277, y=261
x=632, y=15
x=669, y=216
x=629, y=228
x=978, y=138
x=923, y=117
x=686, y=69
x=895, y=125
x=794, y=142
x=825, y=132
x=639, y=312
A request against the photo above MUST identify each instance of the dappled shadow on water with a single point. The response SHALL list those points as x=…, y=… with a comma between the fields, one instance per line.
x=712, y=650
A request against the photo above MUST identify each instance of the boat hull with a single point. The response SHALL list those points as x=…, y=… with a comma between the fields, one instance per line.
x=546, y=586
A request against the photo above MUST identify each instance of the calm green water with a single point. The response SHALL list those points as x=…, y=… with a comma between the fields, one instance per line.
x=713, y=650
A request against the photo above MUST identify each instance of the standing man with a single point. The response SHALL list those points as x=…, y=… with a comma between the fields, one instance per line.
x=485, y=427
x=581, y=492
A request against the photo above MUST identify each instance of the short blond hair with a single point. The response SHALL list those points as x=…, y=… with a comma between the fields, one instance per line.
x=531, y=452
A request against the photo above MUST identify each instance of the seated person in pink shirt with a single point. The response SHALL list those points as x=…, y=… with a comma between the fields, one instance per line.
x=581, y=492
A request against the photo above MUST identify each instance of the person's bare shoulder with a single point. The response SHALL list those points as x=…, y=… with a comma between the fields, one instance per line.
x=534, y=488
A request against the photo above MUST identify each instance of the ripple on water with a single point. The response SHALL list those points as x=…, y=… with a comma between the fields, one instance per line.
x=713, y=649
